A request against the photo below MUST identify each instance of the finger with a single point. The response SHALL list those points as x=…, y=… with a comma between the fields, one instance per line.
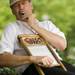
x=47, y=62
x=42, y=63
x=50, y=60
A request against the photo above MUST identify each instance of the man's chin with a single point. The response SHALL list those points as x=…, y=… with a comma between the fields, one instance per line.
x=23, y=19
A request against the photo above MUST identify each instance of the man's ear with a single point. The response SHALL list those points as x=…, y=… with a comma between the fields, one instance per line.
x=31, y=5
x=12, y=10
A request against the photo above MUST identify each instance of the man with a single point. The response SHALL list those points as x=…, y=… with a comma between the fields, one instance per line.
x=12, y=54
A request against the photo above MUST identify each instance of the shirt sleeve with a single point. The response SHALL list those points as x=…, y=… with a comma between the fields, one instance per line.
x=7, y=40
x=54, y=29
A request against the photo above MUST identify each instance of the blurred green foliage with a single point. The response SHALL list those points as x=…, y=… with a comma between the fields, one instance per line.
x=7, y=71
x=61, y=12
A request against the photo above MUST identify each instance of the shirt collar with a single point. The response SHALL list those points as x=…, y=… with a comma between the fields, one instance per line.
x=27, y=26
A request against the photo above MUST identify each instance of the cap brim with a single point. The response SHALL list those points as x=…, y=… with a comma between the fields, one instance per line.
x=12, y=3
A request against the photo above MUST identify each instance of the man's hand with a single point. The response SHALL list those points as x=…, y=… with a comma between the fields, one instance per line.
x=43, y=61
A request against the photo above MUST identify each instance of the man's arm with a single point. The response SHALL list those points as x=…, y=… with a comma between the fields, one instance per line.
x=52, y=38
x=7, y=59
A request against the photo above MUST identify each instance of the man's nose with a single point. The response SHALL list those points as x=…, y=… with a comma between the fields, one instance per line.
x=21, y=6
